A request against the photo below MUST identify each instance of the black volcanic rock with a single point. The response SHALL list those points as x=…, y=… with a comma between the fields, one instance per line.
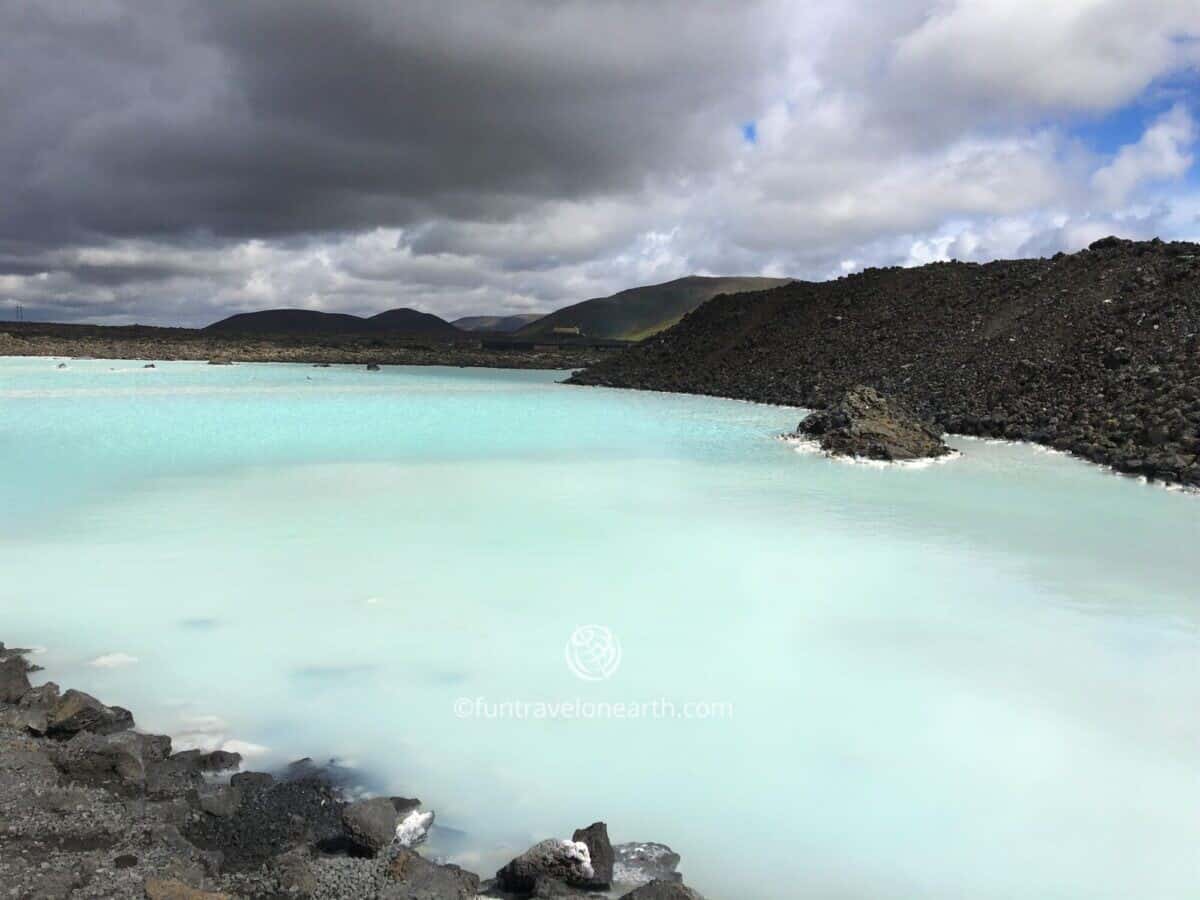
x=864, y=424
x=1096, y=353
x=14, y=682
x=662, y=890
x=595, y=836
x=77, y=711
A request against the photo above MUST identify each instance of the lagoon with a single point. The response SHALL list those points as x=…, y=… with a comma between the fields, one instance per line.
x=977, y=679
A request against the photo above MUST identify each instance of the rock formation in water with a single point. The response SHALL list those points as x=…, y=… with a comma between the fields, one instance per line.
x=1096, y=353
x=864, y=424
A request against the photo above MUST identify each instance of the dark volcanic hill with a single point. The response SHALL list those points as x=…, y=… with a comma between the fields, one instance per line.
x=1096, y=352
x=288, y=321
x=642, y=311
x=313, y=322
x=411, y=321
x=496, y=324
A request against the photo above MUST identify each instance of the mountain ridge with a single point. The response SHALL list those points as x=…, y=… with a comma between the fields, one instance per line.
x=639, y=312
x=496, y=324
x=289, y=321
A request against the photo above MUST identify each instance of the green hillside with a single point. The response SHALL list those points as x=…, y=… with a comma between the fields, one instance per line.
x=642, y=311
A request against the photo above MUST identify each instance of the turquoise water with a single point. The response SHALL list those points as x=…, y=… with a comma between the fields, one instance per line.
x=978, y=679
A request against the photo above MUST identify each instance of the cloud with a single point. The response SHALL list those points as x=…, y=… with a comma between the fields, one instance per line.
x=177, y=162
x=1164, y=151
x=1031, y=56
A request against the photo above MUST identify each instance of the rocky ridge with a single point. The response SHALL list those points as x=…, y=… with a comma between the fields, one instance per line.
x=1096, y=353
x=92, y=808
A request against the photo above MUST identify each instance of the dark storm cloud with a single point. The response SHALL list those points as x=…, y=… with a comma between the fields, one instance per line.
x=177, y=160
x=263, y=117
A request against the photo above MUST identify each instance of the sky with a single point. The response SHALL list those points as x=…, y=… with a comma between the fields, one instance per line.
x=178, y=161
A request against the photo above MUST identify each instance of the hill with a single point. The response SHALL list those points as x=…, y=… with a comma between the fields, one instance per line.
x=288, y=321
x=411, y=321
x=1097, y=353
x=639, y=312
x=496, y=324
x=313, y=322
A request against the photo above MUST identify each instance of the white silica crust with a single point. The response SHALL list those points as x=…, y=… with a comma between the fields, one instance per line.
x=414, y=828
x=578, y=851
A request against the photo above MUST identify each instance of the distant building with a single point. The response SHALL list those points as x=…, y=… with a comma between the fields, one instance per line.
x=566, y=329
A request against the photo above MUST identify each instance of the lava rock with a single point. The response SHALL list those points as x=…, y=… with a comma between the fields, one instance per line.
x=222, y=801
x=14, y=680
x=565, y=861
x=600, y=851
x=31, y=712
x=77, y=711
x=371, y=824
x=410, y=876
x=271, y=820
x=210, y=763
x=662, y=890
x=641, y=863
x=864, y=424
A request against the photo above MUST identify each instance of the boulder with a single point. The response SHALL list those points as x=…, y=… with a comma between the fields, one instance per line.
x=222, y=801
x=14, y=680
x=211, y=763
x=77, y=711
x=372, y=367
x=641, y=863
x=154, y=746
x=662, y=890
x=565, y=861
x=864, y=424
x=94, y=758
x=32, y=710
x=372, y=824
x=173, y=776
x=409, y=876
x=600, y=850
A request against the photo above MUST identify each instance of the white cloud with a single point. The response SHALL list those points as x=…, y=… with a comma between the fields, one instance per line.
x=1048, y=54
x=1164, y=151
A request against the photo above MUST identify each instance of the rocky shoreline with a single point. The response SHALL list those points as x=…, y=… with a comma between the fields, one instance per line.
x=161, y=344
x=91, y=807
x=1095, y=353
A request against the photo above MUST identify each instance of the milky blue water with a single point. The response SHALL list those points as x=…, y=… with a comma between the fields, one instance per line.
x=974, y=680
